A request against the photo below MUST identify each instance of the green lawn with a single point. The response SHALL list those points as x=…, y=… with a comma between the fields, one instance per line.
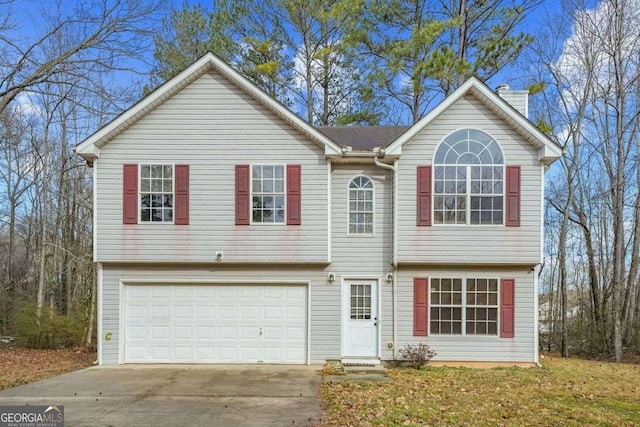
x=564, y=392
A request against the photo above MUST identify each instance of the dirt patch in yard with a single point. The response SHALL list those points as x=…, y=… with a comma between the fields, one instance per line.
x=570, y=392
x=22, y=365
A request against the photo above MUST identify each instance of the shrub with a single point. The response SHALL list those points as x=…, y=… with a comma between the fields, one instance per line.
x=54, y=330
x=417, y=355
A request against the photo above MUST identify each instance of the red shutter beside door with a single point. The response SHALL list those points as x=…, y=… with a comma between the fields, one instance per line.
x=293, y=194
x=424, y=196
x=181, y=203
x=512, y=207
x=130, y=194
x=242, y=194
x=420, y=307
x=507, y=305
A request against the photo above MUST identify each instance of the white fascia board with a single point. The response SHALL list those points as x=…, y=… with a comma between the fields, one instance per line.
x=274, y=105
x=99, y=138
x=548, y=150
x=395, y=148
x=89, y=148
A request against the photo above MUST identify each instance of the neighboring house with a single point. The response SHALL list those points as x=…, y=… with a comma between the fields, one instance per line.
x=228, y=230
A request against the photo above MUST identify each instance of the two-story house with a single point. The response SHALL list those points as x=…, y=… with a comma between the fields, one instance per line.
x=228, y=230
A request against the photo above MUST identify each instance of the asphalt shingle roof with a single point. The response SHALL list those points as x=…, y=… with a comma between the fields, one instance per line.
x=363, y=138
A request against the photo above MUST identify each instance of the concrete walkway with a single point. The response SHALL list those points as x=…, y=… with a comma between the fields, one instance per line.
x=180, y=395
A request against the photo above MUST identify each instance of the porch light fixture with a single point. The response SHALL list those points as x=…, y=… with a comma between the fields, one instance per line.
x=389, y=278
x=331, y=278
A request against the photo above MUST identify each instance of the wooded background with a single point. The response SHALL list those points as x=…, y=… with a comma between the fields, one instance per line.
x=68, y=67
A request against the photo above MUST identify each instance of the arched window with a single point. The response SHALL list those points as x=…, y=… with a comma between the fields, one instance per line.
x=360, y=205
x=468, y=179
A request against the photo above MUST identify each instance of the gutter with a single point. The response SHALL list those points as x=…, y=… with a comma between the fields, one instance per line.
x=379, y=153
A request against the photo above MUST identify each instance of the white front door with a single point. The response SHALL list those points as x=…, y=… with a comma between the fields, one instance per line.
x=360, y=327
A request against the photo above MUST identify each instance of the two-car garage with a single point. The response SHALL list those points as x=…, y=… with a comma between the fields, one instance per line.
x=214, y=323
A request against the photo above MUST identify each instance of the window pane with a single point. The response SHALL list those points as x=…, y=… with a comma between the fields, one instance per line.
x=492, y=329
x=457, y=328
x=145, y=185
x=145, y=171
x=168, y=171
x=156, y=171
x=145, y=215
x=434, y=328
x=156, y=215
x=279, y=171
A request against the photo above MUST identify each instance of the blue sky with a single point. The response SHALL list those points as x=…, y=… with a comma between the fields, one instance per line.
x=28, y=19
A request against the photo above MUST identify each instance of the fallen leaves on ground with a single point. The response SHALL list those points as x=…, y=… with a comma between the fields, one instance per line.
x=22, y=365
x=571, y=392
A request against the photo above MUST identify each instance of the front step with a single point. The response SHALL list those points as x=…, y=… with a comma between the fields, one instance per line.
x=358, y=372
x=362, y=369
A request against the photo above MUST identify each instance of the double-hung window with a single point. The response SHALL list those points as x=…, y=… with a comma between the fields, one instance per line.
x=361, y=206
x=156, y=193
x=468, y=179
x=268, y=194
x=463, y=306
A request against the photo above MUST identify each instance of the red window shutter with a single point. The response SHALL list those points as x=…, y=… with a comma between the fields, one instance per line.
x=424, y=196
x=420, y=307
x=293, y=194
x=507, y=303
x=243, y=195
x=181, y=202
x=512, y=207
x=130, y=194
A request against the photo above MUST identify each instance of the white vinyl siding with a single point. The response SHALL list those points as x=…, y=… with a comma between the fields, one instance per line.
x=324, y=326
x=473, y=348
x=460, y=244
x=364, y=256
x=211, y=125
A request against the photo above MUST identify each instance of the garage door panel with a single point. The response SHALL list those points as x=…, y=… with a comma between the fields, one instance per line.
x=205, y=332
x=204, y=312
x=160, y=312
x=215, y=324
x=161, y=291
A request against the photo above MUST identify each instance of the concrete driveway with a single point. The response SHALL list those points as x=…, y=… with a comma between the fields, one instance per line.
x=180, y=395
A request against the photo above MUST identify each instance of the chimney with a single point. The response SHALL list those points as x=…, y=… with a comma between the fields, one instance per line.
x=518, y=99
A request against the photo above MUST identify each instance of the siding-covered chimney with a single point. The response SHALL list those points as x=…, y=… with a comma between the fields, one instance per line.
x=519, y=99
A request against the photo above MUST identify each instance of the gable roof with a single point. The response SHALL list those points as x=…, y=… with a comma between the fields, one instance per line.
x=90, y=148
x=548, y=150
x=363, y=138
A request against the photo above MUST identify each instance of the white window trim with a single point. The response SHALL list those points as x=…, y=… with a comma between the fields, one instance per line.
x=468, y=196
x=373, y=212
x=468, y=205
x=267, y=224
x=173, y=191
x=463, y=306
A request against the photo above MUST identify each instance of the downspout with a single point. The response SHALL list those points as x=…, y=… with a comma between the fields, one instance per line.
x=394, y=261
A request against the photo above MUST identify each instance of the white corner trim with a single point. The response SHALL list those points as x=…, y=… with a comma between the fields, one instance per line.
x=99, y=312
x=94, y=214
x=329, y=210
x=89, y=148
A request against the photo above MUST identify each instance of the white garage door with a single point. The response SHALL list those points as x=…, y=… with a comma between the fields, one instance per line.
x=215, y=324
